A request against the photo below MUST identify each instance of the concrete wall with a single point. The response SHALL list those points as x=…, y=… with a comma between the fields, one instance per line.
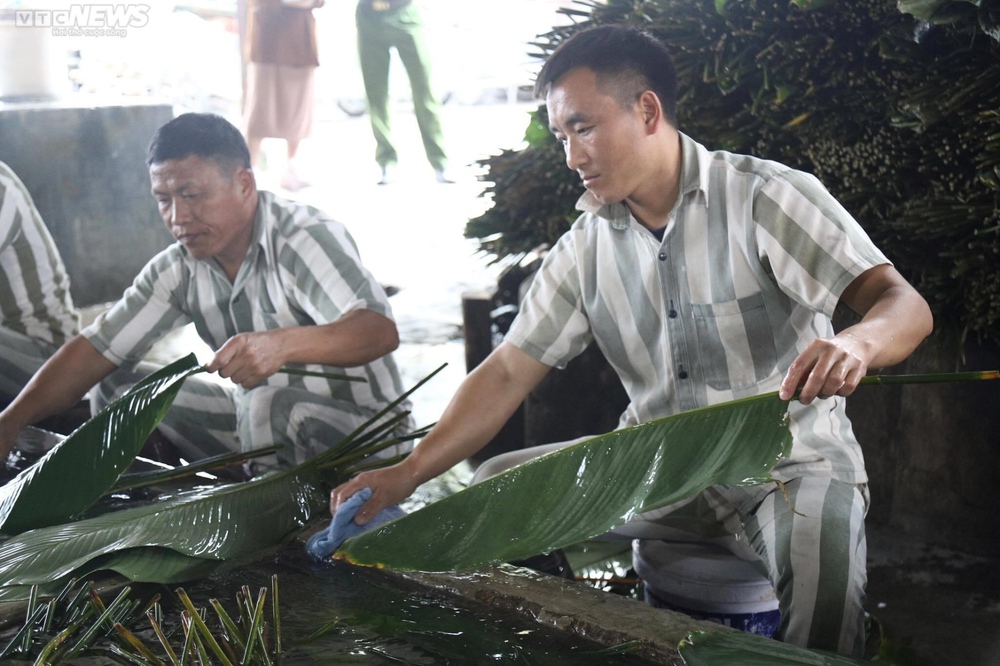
x=933, y=450
x=85, y=168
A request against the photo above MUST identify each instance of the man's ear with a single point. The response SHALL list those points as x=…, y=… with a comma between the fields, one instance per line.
x=246, y=182
x=652, y=110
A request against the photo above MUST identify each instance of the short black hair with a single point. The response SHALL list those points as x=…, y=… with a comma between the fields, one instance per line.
x=203, y=134
x=626, y=60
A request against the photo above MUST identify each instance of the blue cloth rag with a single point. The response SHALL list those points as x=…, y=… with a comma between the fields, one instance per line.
x=322, y=544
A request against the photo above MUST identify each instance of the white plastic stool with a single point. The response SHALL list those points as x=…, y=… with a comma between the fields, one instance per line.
x=706, y=582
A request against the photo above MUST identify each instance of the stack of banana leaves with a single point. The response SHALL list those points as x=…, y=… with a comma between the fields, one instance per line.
x=182, y=536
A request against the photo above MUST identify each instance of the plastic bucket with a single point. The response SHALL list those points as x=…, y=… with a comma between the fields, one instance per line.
x=706, y=582
x=34, y=65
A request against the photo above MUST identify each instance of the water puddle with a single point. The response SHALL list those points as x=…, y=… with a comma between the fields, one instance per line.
x=381, y=619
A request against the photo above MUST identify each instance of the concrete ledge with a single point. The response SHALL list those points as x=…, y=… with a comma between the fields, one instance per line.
x=602, y=617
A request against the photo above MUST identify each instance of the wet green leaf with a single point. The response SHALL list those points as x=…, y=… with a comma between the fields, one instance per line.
x=187, y=536
x=989, y=19
x=584, y=490
x=182, y=538
x=935, y=11
x=809, y=5
x=78, y=471
x=739, y=647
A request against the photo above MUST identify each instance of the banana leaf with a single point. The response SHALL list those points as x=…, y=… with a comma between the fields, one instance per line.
x=725, y=648
x=191, y=534
x=81, y=469
x=584, y=490
x=182, y=538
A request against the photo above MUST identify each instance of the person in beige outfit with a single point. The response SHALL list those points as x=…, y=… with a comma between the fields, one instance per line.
x=281, y=64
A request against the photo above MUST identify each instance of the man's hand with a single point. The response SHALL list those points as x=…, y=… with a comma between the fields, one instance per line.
x=58, y=385
x=895, y=319
x=8, y=438
x=827, y=367
x=249, y=358
x=390, y=485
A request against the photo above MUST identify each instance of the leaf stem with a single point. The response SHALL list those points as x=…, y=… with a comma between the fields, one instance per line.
x=324, y=375
x=142, y=479
x=934, y=378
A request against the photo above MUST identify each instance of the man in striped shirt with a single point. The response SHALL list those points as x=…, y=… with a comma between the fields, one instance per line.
x=36, y=309
x=703, y=276
x=267, y=282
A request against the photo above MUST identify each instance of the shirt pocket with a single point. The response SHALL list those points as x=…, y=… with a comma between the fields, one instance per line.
x=274, y=309
x=735, y=342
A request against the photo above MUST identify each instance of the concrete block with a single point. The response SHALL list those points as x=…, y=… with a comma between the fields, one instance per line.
x=85, y=168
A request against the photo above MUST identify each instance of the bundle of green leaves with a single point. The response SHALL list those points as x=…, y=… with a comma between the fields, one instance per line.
x=892, y=104
x=181, y=537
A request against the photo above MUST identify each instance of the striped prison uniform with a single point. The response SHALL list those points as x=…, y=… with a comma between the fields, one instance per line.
x=36, y=309
x=302, y=269
x=751, y=267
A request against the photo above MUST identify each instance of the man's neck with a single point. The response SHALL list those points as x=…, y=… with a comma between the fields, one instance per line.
x=231, y=261
x=652, y=204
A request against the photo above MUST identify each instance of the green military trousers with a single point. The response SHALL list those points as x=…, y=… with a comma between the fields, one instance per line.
x=378, y=33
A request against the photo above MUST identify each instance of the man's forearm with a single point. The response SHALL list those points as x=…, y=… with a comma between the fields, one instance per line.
x=58, y=385
x=358, y=337
x=483, y=403
x=895, y=319
x=893, y=327
x=477, y=412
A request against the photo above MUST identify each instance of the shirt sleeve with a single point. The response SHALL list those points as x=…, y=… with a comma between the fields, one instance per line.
x=13, y=206
x=551, y=325
x=148, y=310
x=34, y=286
x=328, y=280
x=812, y=245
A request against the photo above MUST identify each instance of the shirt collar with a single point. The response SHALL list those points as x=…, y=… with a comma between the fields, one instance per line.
x=695, y=162
x=264, y=201
x=258, y=244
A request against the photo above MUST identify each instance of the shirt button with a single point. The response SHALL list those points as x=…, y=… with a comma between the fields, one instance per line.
x=683, y=374
x=672, y=314
x=663, y=256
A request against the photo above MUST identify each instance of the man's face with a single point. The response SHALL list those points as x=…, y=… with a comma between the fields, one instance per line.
x=211, y=214
x=601, y=139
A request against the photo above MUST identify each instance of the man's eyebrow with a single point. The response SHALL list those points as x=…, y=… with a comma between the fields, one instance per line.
x=166, y=190
x=574, y=119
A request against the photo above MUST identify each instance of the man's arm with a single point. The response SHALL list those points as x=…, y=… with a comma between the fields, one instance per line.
x=359, y=337
x=58, y=385
x=895, y=319
x=480, y=407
